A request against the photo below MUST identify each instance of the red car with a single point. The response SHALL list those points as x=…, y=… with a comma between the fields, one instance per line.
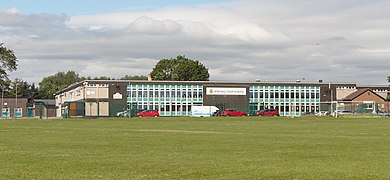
x=268, y=112
x=148, y=113
x=233, y=112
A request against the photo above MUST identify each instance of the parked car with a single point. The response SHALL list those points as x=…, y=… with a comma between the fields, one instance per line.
x=322, y=113
x=148, y=113
x=341, y=112
x=268, y=112
x=123, y=113
x=217, y=113
x=233, y=112
x=384, y=114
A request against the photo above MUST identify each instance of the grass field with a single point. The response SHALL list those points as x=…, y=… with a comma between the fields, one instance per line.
x=196, y=148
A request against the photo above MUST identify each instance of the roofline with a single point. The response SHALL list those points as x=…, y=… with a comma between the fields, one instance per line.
x=367, y=89
x=204, y=82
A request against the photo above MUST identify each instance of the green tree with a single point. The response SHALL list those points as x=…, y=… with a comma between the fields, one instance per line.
x=388, y=93
x=180, y=69
x=8, y=61
x=50, y=85
x=136, y=77
x=103, y=78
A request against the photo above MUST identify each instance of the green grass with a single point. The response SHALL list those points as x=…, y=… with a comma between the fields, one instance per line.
x=196, y=148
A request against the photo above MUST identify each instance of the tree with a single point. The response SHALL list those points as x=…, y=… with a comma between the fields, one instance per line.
x=50, y=85
x=388, y=93
x=180, y=69
x=8, y=61
x=136, y=77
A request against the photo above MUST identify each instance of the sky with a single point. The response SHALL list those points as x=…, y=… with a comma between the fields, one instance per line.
x=238, y=40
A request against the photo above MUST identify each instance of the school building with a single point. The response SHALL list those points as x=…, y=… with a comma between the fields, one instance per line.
x=105, y=98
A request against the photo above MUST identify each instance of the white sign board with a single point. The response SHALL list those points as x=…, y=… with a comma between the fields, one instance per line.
x=117, y=96
x=225, y=91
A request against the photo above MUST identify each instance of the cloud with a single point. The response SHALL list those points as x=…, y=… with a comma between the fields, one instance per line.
x=338, y=41
x=147, y=25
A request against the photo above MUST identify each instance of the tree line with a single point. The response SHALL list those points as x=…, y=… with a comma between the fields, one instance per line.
x=174, y=69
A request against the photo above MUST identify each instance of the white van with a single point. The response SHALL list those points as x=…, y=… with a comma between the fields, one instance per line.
x=203, y=111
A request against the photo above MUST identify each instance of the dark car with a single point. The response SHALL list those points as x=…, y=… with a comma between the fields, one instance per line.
x=148, y=113
x=268, y=112
x=217, y=113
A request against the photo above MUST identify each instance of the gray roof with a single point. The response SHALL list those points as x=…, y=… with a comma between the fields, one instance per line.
x=49, y=102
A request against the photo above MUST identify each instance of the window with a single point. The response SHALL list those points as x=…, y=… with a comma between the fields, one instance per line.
x=167, y=94
x=173, y=93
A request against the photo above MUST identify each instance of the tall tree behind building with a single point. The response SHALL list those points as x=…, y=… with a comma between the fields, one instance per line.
x=51, y=84
x=180, y=69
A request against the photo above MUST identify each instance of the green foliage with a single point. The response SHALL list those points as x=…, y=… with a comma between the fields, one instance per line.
x=196, y=148
x=20, y=88
x=388, y=94
x=136, y=77
x=180, y=69
x=50, y=85
x=8, y=61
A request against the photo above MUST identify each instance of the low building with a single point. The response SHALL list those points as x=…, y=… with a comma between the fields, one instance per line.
x=44, y=108
x=105, y=98
x=365, y=100
x=14, y=107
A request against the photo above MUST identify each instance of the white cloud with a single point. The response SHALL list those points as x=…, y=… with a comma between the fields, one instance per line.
x=238, y=41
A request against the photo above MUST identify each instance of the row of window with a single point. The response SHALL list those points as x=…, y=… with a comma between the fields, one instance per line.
x=284, y=94
x=165, y=93
x=174, y=107
x=292, y=107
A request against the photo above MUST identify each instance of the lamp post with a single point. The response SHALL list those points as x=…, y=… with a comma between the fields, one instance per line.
x=16, y=98
x=2, y=98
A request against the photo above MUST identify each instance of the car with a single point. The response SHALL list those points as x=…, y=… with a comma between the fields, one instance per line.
x=233, y=112
x=342, y=112
x=383, y=114
x=322, y=113
x=217, y=113
x=123, y=113
x=148, y=113
x=268, y=112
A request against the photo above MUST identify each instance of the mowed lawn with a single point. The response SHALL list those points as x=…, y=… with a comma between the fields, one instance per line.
x=196, y=148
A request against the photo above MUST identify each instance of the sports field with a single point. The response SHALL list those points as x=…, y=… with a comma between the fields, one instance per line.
x=196, y=148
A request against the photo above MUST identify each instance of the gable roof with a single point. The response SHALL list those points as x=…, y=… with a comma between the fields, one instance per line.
x=360, y=92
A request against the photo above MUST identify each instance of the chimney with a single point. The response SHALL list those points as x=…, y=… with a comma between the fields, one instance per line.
x=150, y=77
